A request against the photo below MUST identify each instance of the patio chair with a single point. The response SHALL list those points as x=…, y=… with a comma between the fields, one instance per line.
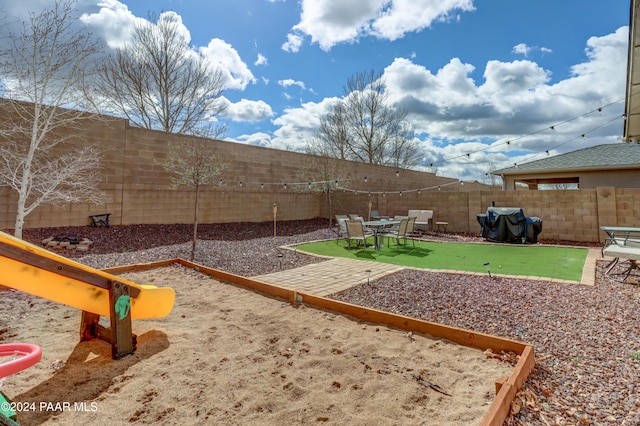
x=411, y=229
x=341, y=220
x=401, y=233
x=375, y=215
x=355, y=231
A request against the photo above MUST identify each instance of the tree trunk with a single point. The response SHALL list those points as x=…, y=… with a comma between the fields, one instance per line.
x=195, y=224
x=330, y=209
x=19, y=220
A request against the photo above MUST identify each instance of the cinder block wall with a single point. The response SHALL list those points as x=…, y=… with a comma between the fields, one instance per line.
x=572, y=215
x=138, y=190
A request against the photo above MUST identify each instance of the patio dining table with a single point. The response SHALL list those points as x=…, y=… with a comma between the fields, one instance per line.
x=622, y=242
x=378, y=226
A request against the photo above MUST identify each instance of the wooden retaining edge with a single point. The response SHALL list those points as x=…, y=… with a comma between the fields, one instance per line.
x=506, y=388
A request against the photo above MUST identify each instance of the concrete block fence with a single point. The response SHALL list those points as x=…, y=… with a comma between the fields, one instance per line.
x=137, y=190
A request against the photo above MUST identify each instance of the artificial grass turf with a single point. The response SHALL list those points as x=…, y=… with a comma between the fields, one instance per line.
x=564, y=263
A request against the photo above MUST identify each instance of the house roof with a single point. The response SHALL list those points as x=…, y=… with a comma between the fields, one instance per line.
x=622, y=155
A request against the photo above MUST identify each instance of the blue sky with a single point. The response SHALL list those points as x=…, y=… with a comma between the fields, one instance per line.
x=483, y=81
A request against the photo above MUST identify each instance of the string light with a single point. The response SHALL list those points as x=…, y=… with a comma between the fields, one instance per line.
x=468, y=155
x=552, y=127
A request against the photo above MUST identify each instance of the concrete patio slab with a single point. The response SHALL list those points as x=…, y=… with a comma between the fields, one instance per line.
x=329, y=277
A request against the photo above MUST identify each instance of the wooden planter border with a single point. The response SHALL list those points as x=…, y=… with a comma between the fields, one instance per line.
x=506, y=387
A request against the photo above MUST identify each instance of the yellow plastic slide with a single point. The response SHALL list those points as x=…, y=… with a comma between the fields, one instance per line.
x=32, y=269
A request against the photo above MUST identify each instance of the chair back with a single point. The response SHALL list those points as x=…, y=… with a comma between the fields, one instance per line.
x=411, y=225
x=342, y=225
x=355, y=228
x=402, y=230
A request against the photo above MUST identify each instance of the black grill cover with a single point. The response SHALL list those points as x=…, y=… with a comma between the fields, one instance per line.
x=509, y=225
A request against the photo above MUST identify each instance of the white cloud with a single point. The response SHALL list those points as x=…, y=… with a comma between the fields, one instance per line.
x=293, y=43
x=330, y=22
x=525, y=50
x=289, y=82
x=247, y=110
x=515, y=97
x=297, y=126
x=403, y=16
x=454, y=115
x=114, y=22
x=222, y=55
x=521, y=49
x=257, y=139
x=261, y=60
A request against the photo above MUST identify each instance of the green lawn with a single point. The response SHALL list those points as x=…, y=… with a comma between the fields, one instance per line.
x=527, y=260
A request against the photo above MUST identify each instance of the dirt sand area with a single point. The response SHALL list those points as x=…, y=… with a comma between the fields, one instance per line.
x=227, y=355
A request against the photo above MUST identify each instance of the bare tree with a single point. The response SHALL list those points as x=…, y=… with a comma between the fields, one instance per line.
x=363, y=126
x=490, y=178
x=43, y=67
x=194, y=163
x=323, y=175
x=159, y=82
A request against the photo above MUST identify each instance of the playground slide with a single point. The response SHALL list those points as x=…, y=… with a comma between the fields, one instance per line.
x=48, y=280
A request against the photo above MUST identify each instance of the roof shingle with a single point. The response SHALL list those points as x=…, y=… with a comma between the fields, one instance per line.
x=606, y=156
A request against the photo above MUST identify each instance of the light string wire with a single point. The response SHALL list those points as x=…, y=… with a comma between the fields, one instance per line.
x=511, y=141
x=337, y=183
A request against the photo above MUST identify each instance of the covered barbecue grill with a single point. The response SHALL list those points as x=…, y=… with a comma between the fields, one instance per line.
x=509, y=225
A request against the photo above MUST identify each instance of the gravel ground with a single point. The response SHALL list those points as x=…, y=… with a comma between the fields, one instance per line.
x=587, y=339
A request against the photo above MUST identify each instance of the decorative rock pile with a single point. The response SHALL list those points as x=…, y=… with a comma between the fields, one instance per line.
x=67, y=242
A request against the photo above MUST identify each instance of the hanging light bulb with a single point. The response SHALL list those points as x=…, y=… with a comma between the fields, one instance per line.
x=309, y=185
x=439, y=188
x=365, y=179
x=240, y=184
x=262, y=186
x=285, y=186
x=401, y=193
x=419, y=191
x=397, y=173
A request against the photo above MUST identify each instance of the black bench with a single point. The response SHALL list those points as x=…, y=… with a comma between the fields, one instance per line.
x=98, y=220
